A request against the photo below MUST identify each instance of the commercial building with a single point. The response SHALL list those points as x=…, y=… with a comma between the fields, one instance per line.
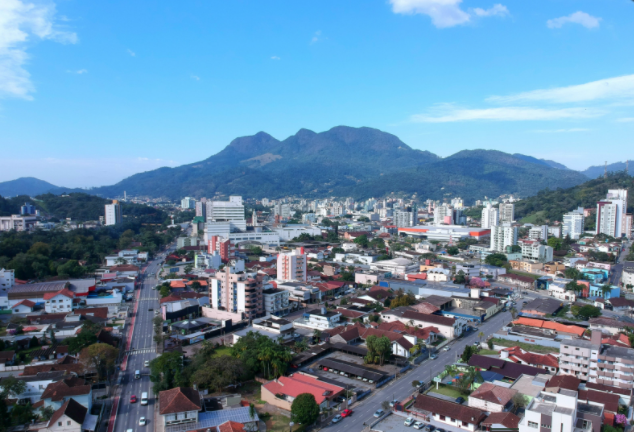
x=18, y=223
x=232, y=210
x=628, y=273
x=201, y=208
x=490, y=216
x=276, y=301
x=320, y=319
x=398, y=266
x=573, y=224
x=292, y=266
x=113, y=213
x=403, y=218
x=503, y=236
x=611, y=213
x=445, y=233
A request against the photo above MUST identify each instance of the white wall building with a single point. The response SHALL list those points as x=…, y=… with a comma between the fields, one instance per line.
x=490, y=216
x=573, y=224
x=534, y=250
x=113, y=213
x=507, y=212
x=291, y=231
x=188, y=203
x=276, y=301
x=396, y=266
x=292, y=266
x=17, y=223
x=503, y=236
x=403, y=218
x=232, y=210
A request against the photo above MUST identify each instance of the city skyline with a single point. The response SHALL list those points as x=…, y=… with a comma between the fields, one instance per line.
x=99, y=93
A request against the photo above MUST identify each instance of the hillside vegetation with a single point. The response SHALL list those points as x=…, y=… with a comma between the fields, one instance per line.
x=550, y=205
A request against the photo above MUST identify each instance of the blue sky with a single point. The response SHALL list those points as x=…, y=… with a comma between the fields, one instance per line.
x=92, y=92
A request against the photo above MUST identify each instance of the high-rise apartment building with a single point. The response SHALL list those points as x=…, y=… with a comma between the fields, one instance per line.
x=292, y=266
x=27, y=209
x=403, y=218
x=443, y=215
x=573, y=224
x=237, y=292
x=201, y=208
x=611, y=213
x=490, y=216
x=535, y=250
x=188, y=203
x=113, y=213
x=223, y=246
x=503, y=236
x=538, y=233
x=507, y=212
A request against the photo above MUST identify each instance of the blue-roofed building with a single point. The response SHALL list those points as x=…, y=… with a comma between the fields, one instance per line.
x=595, y=291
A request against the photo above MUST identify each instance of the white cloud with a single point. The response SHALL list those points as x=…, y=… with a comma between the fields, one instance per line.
x=20, y=23
x=316, y=37
x=625, y=120
x=275, y=58
x=497, y=10
x=195, y=77
x=582, y=18
x=446, y=113
x=560, y=130
x=609, y=88
x=443, y=13
x=132, y=53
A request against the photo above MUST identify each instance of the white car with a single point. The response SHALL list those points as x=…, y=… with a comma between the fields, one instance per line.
x=419, y=425
x=408, y=421
x=142, y=421
x=337, y=418
x=446, y=348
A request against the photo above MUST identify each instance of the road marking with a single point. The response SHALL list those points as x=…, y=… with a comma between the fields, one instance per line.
x=140, y=351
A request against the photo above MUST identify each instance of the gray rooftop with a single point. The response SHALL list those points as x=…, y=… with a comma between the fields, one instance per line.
x=580, y=343
x=614, y=351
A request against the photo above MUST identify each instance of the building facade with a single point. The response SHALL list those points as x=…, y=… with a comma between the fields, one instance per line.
x=292, y=266
x=113, y=213
x=573, y=225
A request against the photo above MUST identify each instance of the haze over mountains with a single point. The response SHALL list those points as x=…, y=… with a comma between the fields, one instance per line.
x=342, y=161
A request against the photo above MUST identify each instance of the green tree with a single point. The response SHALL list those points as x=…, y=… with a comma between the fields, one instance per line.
x=163, y=369
x=34, y=342
x=490, y=344
x=11, y=387
x=22, y=414
x=343, y=302
x=586, y=312
x=520, y=401
x=555, y=243
x=605, y=290
x=101, y=357
x=469, y=350
x=516, y=248
x=362, y=241
x=84, y=339
x=165, y=291
x=219, y=372
x=47, y=413
x=415, y=383
x=571, y=273
x=304, y=409
x=496, y=259
x=460, y=278
x=453, y=250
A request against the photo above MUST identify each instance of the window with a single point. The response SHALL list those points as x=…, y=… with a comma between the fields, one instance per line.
x=453, y=420
x=59, y=423
x=464, y=423
x=441, y=417
x=68, y=423
x=533, y=424
x=546, y=426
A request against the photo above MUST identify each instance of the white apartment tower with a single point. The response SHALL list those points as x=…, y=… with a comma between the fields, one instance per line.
x=403, y=218
x=507, y=212
x=573, y=224
x=292, y=266
x=188, y=203
x=490, y=216
x=611, y=213
x=503, y=236
x=221, y=211
x=113, y=213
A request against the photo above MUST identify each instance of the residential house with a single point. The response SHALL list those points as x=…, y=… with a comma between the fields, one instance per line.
x=518, y=355
x=72, y=387
x=23, y=306
x=525, y=282
x=320, y=319
x=501, y=420
x=492, y=398
x=71, y=417
x=505, y=368
x=449, y=327
x=621, y=304
x=179, y=405
x=609, y=325
x=450, y=413
x=60, y=301
x=282, y=392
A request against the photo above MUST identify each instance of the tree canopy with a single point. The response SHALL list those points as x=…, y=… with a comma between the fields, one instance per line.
x=304, y=409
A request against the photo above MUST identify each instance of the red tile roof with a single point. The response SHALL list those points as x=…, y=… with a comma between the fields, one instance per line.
x=564, y=381
x=433, y=319
x=507, y=419
x=299, y=383
x=617, y=340
x=495, y=394
x=518, y=355
x=425, y=307
x=231, y=426
x=609, y=401
x=179, y=399
x=449, y=409
x=65, y=292
x=60, y=390
x=177, y=284
x=99, y=312
x=72, y=409
x=550, y=325
x=27, y=303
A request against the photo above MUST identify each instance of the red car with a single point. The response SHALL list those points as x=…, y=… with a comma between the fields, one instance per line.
x=346, y=413
x=133, y=399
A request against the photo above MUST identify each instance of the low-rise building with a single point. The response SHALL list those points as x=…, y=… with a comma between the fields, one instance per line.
x=450, y=413
x=448, y=327
x=282, y=392
x=179, y=405
x=320, y=319
x=492, y=398
x=71, y=417
x=396, y=266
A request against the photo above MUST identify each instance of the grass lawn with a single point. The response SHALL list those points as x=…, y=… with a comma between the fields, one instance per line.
x=532, y=217
x=222, y=350
x=488, y=352
x=279, y=423
x=528, y=347
x=447, y=391
x=519, y=273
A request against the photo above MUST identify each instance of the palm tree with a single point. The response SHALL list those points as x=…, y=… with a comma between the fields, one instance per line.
x=605, y=289
x=481, y=336
x=317, y=334
x=513, y=313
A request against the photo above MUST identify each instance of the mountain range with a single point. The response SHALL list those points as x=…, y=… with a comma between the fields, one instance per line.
x=343, y=161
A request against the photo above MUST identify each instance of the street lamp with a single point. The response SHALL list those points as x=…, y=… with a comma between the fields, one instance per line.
x=291, y=424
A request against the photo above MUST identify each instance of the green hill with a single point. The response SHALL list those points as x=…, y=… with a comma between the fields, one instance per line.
x=550, y=205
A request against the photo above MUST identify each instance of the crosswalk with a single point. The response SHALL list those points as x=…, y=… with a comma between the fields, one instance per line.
x=148, y=299
x=141, y=351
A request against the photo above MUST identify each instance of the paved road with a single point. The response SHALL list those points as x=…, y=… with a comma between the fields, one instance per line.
x=142, y=348
x=617, y=269
x=402, y=388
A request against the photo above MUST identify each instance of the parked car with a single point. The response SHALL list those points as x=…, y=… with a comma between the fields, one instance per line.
x=379, y=413
x=460, y=400
x=337, y=418
x=476, y=343
x=430, y=428
x=419, y=425
x=394, y=402
x=433, y=356
x=408, y=421
x=440, y=430
x=346, y=413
